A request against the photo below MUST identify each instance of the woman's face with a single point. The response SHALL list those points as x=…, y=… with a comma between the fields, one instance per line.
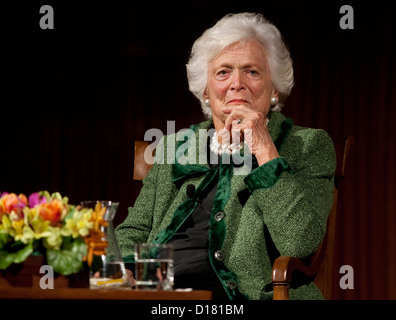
x=239, y=75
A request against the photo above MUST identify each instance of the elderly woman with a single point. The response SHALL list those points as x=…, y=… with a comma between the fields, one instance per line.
x=228, y=226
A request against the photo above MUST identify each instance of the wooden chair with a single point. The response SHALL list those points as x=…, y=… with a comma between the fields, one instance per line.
x=320, y=266
x=140, y=166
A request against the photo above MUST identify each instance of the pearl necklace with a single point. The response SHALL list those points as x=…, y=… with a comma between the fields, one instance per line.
x=219, y=149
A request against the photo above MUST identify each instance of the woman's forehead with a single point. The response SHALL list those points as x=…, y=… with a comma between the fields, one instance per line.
x=246, y=53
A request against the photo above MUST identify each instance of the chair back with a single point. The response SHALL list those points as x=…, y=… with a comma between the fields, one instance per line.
x=324, y=255
x=141, y=167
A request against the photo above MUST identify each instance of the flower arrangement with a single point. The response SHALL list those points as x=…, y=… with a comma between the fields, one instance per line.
x=47, y=224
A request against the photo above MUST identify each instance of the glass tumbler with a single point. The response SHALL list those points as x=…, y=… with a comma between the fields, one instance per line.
x=154, y=266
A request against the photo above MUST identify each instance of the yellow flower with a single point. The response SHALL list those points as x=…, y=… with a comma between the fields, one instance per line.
x=40, y=227
x=5, y=224
x=79, y=224
x=54, y=240
x=11, y=224
x=18, y=226
x=26, y=236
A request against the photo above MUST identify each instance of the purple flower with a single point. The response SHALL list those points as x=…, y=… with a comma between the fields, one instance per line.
x=35, y=199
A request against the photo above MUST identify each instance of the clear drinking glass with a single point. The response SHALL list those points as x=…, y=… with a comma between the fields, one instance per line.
x=154, y=266
x=108, y=269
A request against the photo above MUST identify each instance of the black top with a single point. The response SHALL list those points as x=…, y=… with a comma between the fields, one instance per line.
x=190, y=242
x=192, y=267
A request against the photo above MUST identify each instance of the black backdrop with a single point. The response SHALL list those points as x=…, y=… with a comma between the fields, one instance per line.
x=76, y=97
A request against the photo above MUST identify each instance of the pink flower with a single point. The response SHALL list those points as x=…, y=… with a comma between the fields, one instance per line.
x=35, y=199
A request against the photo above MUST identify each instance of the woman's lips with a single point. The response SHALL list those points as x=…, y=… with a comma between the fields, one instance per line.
x=237, y=101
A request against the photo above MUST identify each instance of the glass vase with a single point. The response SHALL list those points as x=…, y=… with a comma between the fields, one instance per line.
x=107, y=270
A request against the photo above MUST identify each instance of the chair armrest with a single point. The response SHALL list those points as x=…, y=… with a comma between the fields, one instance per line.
x=282, y=273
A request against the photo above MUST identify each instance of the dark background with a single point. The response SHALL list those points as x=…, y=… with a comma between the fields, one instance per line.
x=75, y=98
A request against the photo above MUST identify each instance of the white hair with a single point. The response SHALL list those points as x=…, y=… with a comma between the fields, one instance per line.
x=235, y=28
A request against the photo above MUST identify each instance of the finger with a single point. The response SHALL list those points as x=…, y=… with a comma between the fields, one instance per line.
x=234, y=119
x=131, y=279
x=231, y=119
x=237, y=131
x=223, y=136
x=234, y=114
x=237, y=135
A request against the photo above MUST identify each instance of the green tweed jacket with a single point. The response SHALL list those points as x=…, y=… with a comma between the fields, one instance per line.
x=259, y=212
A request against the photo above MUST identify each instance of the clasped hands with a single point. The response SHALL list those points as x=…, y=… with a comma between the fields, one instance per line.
x=253, y=125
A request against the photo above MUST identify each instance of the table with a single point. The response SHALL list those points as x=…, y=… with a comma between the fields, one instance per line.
x=85, y=303
x=97, y=294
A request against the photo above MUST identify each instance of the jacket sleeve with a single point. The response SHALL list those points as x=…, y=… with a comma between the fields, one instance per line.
x=294, y=193
x=137, y=225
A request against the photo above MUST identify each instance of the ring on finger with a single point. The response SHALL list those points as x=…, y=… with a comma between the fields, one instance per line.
x=239, y=121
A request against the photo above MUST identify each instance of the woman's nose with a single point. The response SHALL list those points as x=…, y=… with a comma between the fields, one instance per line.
x=237, y=81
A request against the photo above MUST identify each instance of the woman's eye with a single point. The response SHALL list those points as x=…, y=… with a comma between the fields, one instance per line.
x=222, y=73
x=253, y=72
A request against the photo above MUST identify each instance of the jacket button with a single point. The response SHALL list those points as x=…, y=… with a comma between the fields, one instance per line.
x=231, y=285
x=219, y=255
x=219, y=216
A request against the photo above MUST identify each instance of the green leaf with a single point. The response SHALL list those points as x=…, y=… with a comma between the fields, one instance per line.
x=3, y=239
x=6, y=258
x=69, y=259
x=70, y=214
x=22, y=254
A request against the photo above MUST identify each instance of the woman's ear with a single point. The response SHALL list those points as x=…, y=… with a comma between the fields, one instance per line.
x=205, y=95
